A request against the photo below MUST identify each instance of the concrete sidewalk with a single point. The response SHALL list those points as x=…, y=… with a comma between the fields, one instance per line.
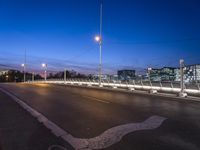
x=20, y=131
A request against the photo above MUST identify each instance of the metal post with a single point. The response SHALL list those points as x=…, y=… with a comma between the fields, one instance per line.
x=182, y=75
x=100, y=63
x=33, y=77
x=24, y=74
x=24, y=66
x=100, y=45
x=65, y=76
x=160, y=84
x=45, y=75
x=195, y=73
x=149, y=76
x=182, y=93
x=141, y=82
x=45, y=72
x=172, y=85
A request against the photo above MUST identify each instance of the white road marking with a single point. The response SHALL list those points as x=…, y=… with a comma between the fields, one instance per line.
x=95, y=99
x=113, y=135
x=106, y=139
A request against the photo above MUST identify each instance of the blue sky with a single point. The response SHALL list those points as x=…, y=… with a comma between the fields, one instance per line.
x=136, y=33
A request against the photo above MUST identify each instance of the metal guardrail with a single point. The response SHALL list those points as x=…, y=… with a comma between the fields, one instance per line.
x=153, y=87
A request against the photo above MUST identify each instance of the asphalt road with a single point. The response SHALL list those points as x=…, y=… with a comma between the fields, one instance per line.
x=88, y=112
x=20, y=131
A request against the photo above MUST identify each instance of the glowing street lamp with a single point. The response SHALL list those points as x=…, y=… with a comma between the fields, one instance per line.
x=44, y=65
x=97, y=38
x=45, y=70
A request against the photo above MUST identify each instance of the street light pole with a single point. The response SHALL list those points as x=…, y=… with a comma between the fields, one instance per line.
x=99, y=40
x=45, y=71
x=182, y=75
x=182, y=93
x=33, y=76
x=100, y=44
x=23, y=66
x=24, y=74
x=100, y=63
x=65, y=76
x=149, y=75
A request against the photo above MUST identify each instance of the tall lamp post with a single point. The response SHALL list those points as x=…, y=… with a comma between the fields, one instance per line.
x=45, y=71
x=65, y=75
x=182, y=92
x=98, y=39
x=149, y=75
x=23, y=66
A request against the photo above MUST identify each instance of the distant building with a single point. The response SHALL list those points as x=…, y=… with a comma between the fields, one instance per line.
x=103, y=76
x=177, y=74
x=192, y=73
x=114, y=77
x=162, y=74
x=126, y=74
x=3, y=72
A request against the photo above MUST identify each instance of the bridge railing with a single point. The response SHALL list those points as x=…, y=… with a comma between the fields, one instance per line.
x=153, y=87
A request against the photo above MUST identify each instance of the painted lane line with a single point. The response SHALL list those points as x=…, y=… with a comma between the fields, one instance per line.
x=89, y=97
x=95, y=99
x=106, y=139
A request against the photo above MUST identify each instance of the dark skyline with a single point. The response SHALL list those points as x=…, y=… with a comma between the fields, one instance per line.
x=136, y=34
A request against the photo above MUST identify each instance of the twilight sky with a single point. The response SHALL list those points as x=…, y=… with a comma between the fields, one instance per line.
x=136, y=33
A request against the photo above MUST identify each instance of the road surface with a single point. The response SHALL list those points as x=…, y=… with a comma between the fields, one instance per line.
x=88, y=112
x=20, y=131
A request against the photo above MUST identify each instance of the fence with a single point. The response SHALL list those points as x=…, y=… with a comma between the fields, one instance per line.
x=153, y=87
